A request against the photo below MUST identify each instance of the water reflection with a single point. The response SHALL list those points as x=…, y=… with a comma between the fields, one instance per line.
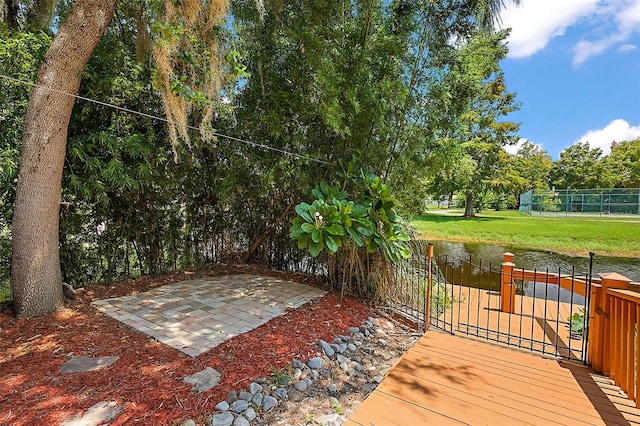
x=478, y=265
x=486, y=275
x=537, y=260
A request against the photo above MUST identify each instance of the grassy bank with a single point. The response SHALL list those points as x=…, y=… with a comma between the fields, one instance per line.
x=574, y=235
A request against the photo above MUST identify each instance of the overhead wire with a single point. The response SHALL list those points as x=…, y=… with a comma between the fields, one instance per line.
x=164, y=119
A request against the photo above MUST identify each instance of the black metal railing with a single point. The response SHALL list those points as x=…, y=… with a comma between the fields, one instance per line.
x=547, y=312
x=407, y=292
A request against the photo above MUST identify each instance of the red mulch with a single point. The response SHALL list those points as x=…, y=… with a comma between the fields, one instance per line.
x=148, y=377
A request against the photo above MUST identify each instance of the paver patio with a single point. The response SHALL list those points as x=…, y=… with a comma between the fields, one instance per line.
x=197, y=315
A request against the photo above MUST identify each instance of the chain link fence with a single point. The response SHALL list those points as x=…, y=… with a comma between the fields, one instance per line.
x=612, y=201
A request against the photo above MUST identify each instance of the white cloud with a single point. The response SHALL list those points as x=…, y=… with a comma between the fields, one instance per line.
x=628, y=16
x=535, y=23
x=585, y=49
x=627, y=47
x=618, y=130
x=513, y=149
x=606, y=23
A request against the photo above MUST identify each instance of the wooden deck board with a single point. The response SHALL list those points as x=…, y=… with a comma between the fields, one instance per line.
x=502, y=379
x=385, y=409
x=446, y=379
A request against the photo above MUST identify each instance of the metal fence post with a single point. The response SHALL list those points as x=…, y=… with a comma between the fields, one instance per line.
x=427, y=293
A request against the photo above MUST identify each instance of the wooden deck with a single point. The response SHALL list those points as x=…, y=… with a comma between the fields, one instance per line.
x=534, y=325
x=452, y=380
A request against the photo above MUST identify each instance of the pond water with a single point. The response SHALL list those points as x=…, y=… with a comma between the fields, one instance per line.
x=486, y=254
x=538, y=260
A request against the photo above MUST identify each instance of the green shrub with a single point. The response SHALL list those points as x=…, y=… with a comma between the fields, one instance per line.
x=441, y=298
x=577, y=323
x=357, y=232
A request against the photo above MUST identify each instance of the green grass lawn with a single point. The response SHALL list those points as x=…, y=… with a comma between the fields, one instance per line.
x=573, y=235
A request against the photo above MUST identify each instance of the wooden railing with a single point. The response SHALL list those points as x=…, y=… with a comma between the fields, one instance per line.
x=509, y=273
x=614, y=319
x=613, y=343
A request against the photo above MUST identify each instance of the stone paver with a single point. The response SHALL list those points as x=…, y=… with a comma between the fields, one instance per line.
x=204, y=380
x=83, y=364
x=98, y=414
x=197, y=315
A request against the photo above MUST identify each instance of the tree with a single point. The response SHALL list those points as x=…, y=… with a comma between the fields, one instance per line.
x=36, y=15
x=20, y=56
x=9, y=13
x=188, y=59
x=475, y=135
x=488, y=136
x=380, y=103
x=579, y=167
x=35, y=263
x=528, y=169
x=533, y=164
x=36, y=276
x=623, y=164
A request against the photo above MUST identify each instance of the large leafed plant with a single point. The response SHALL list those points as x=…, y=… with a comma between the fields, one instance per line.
x=358, y=232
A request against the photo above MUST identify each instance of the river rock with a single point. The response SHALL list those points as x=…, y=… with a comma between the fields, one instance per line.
x=222, y=406
x=369, y=350
x=301, y=386
x=222, y=419
x=268, y=403
x=331, y=420
x=68, y=291
x=336, y=348
x=254, y=388
x=257, y=399
x=316, y=363
x=297, y=373
x=239, y=406
x=368, y=387
x=250, y=414
x=326, y=348
x=295, y=395
x=281, y=392
x=241, y=421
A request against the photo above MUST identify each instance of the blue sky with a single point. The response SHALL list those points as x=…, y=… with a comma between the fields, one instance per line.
x=575, y=66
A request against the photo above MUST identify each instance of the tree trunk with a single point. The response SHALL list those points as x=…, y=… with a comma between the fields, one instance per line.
x=9, y=13
x=35, y=264
x=270, y=229
x=468, y=205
